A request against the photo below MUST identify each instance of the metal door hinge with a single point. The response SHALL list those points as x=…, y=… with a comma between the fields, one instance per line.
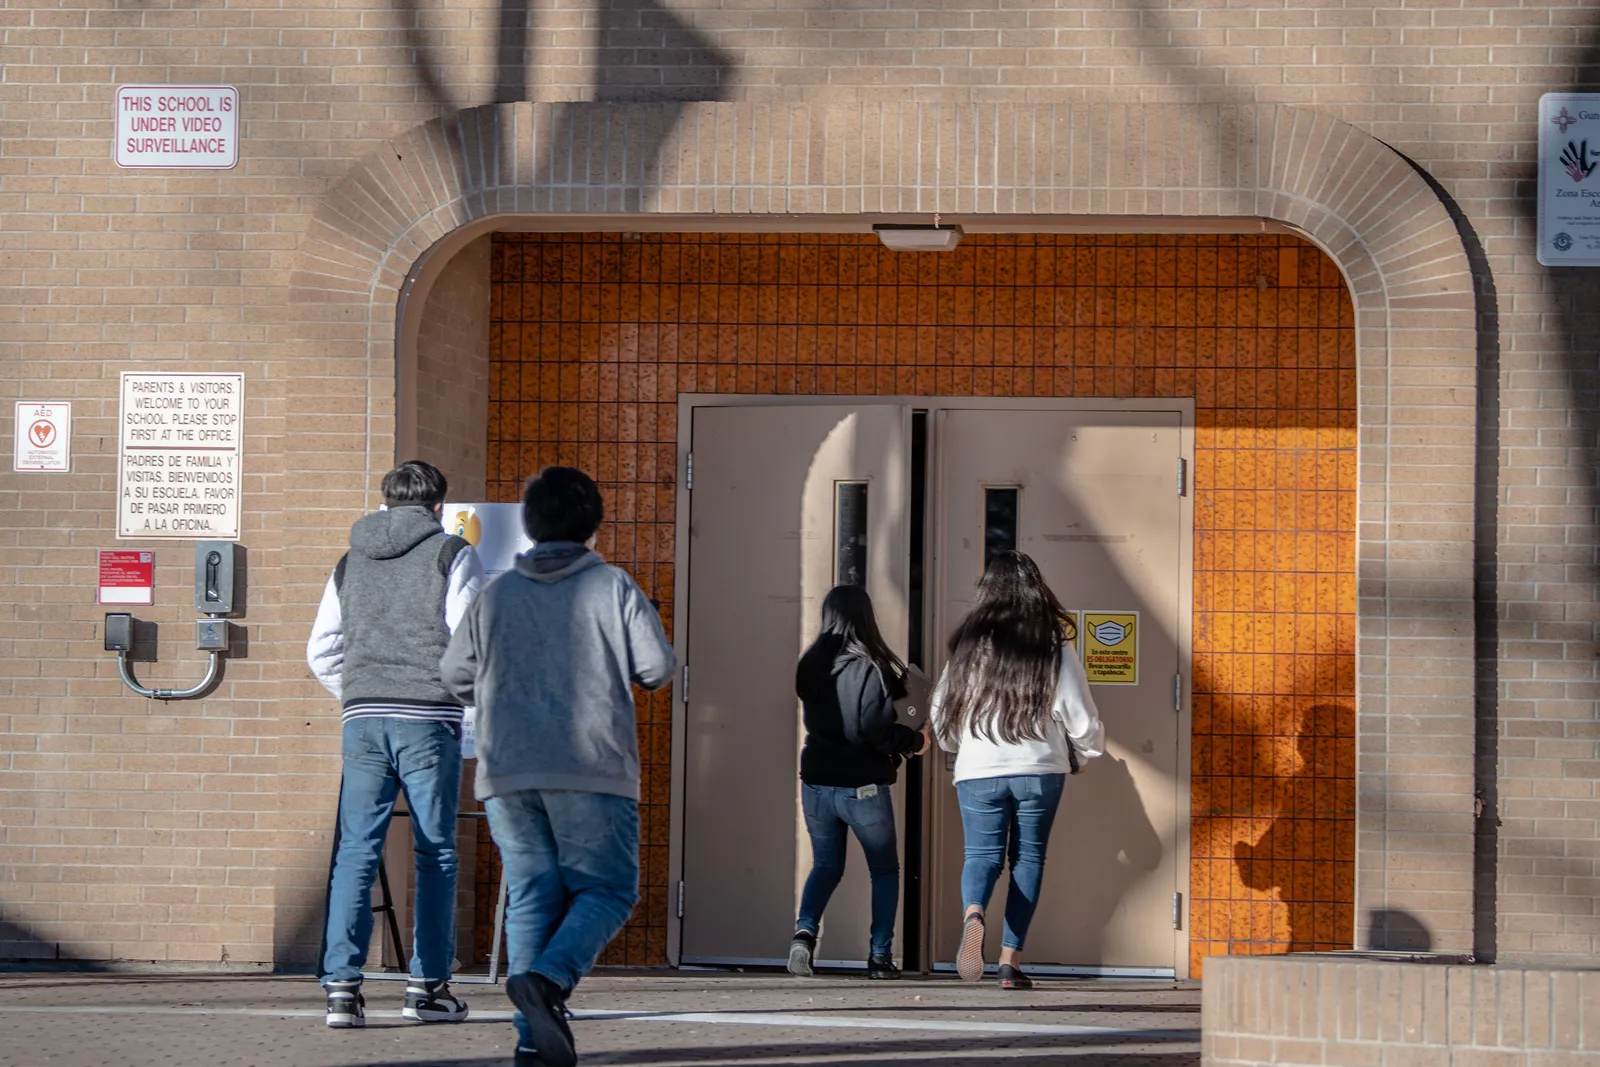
x=1177, y=691
x=680, y=898
x=685, y=684
x=1177, y=908
x=688, y=472
x=1183, y=477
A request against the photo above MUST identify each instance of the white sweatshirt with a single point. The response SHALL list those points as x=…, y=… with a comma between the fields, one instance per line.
x=1072, y=715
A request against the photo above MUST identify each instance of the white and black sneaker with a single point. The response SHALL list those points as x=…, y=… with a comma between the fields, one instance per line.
x=345, y=1005
x=432, y=1002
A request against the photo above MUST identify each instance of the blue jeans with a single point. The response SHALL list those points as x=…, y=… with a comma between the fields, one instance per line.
x=571, y=865
x=829, y=810
x=1007, y=818
x=381, y=757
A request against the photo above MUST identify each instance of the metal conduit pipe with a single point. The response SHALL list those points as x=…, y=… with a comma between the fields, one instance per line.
x=212, y=668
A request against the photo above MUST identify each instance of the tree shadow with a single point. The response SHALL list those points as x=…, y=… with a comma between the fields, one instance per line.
x=1115, y=854
x=1293, y=856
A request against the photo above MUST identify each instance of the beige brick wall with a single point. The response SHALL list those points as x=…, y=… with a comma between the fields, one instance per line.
x=197, y=831
x=453, y=372
x=1376, y=1013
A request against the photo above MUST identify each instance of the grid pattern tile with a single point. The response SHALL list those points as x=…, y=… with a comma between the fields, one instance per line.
x=595, y=335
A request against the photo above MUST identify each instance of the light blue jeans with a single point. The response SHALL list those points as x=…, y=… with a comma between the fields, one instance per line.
x=381, y=757
x=571, y=865
x=829, y=811
x=1009, y=819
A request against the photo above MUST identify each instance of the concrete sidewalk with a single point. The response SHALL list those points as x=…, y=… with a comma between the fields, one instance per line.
x=670, y=1018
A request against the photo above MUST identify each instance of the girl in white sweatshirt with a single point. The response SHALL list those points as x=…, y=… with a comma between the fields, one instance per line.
x=1014, y=706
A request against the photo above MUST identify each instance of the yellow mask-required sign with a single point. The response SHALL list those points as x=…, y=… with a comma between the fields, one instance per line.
x=1111, y=647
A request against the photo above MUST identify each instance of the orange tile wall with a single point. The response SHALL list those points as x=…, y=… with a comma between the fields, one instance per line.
x=594, y=336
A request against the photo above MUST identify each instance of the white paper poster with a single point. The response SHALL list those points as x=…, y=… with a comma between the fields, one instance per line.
x=1569, y=179
x=495, y=530
x=178, y=468
x=44, y=437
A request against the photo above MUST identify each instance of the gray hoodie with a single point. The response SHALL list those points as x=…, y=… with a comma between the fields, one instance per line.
x=548, y=653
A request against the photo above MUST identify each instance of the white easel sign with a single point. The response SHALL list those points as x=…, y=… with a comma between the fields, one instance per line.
x=44, y=437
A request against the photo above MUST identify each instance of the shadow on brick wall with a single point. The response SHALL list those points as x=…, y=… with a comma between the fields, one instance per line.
x=1573, y=338
x=20, y=949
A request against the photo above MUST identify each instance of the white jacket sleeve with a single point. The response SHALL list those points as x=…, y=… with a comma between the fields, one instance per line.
x=1074, y=708
x=325, y=649
x=466, y=580
x=936, y=714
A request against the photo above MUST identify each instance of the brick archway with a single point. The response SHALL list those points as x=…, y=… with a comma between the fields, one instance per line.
x=730, y=163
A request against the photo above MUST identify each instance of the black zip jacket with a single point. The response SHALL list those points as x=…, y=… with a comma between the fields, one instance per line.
x=851, y=737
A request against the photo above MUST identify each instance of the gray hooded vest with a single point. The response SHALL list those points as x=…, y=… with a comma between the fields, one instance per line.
x=392, y=586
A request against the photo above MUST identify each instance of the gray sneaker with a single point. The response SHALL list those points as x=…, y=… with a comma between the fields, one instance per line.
x=801, y=952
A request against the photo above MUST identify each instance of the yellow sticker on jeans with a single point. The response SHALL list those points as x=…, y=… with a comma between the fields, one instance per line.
x=1111, y=647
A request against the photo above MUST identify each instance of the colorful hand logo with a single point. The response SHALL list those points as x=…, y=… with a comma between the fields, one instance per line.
x=1576, y=160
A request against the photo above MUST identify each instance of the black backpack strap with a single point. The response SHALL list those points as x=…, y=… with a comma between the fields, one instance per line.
x=338, y=573
x=449, y=550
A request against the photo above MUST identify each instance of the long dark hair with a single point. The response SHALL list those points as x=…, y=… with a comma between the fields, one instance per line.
x=850, y=628
x=1005, y=656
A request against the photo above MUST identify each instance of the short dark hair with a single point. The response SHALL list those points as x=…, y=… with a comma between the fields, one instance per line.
x=414, y=483
x=562, y=504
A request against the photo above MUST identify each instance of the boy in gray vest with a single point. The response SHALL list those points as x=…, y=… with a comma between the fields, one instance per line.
x=385, y=620
x=549, y=655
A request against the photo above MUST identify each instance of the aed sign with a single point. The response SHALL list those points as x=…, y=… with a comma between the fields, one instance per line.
x=182, y=438
x=44, y=437
x=1569, y=179
x=127, y=577
x=177, y=126
x=1110, y=641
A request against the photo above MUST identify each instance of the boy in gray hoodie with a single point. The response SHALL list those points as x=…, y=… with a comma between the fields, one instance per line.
x=549, y=654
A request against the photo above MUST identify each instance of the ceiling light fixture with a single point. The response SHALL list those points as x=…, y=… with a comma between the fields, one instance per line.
x=901, y=238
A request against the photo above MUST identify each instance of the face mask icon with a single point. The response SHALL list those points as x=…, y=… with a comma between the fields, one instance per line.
x=1110, y=633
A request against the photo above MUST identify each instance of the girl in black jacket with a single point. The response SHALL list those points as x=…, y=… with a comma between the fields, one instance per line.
x=847, y=682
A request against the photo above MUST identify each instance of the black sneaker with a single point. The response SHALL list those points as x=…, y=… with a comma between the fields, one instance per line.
x=801, y=951
x=432, y=1002
x=882, y=968
x=1013, y=978
x=345, y=1005
x=545, y=1007
x=527, y=1057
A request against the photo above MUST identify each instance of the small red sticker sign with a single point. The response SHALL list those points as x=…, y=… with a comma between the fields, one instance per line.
x=127, y=577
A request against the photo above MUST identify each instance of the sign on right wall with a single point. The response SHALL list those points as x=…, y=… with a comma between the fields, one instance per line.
x=1569, y=179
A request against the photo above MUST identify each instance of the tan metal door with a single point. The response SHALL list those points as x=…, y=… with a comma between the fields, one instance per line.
x=764, y=508
x=1099, y=508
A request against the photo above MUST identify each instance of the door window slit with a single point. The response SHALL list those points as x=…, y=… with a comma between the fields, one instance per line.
x=1002, y=506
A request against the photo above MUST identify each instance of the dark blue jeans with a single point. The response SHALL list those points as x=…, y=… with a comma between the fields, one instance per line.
x=1007, y=819
x=381, y=757
x=571, y=864
x=829, y=811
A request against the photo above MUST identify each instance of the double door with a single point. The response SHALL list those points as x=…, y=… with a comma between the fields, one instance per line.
x=910, y=499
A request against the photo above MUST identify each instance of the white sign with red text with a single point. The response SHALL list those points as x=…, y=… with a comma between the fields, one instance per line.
x=44, y=437
x=178, y=126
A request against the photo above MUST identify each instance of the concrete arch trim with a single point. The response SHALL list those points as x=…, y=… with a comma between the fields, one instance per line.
x=376, y=233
